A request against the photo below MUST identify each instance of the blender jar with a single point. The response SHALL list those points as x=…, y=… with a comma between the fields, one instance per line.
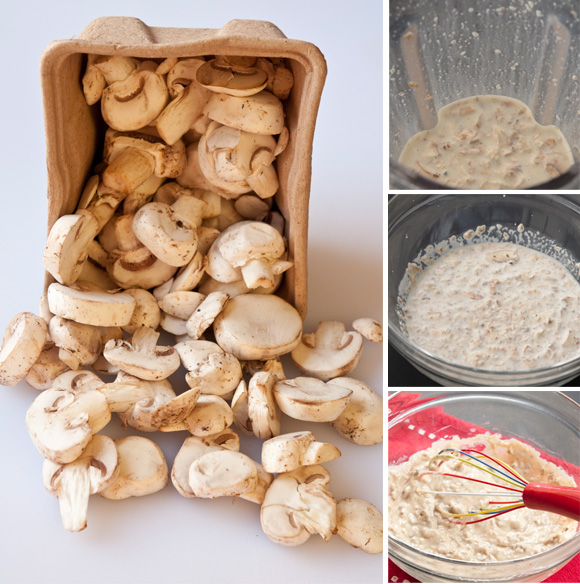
x=448, y=50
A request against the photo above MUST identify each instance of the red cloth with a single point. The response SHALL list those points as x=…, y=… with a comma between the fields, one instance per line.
x=421, y=433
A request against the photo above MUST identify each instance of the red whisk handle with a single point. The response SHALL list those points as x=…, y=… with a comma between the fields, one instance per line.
x=553, y=498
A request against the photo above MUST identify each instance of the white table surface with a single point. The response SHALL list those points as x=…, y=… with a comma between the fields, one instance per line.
x=165, y=537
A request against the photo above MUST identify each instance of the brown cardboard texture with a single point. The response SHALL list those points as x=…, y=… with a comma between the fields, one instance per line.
x=75, y=131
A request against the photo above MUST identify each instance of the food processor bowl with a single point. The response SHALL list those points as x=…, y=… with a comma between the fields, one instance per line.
x=448, y=50
x=416, y=221
x=548, y=420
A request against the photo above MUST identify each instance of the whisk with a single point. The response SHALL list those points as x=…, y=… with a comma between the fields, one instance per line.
x=554, y=498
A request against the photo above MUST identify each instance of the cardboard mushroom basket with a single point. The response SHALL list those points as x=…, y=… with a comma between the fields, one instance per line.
x=75, y=131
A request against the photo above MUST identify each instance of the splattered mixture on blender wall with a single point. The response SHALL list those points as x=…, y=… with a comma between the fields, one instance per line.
x=495, y=306
x=488, y=142
x=418, y=518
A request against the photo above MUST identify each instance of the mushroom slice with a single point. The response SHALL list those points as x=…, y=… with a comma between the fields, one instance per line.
x=191, y=176
x=115, y=67
x=262, y=410
x=181, y=304
x=288, y=452
x=46, y=368
x=101, y=365
x=369, y=328
x=211, y=415
x=177, y=409
x=193, y=448
x=95, y=268
x=360, y=524
x=142, y=469
x=67, y=245
x=258, y=494
x=78, y=381
x=93, y=81
x=255, y=248
x=205, y=314
x=138, y=268
x=79, y=344
x=239, y=405
x=183, y=74
x=361, y=421
x=222, y=76
x=189, y=276
x=134, y=102
x=172, y=324
x=139, y=414
x=146, y=313
x=168, y=234
x=73, y=483
x=94, y=307
x=142, y=357
x=62, y=423
x=298, y=504
x=310, y=399
x=222, y=473
x=280, y=78
x=257, y=326
x=329, y=352
x=252, y=207
x=271, y=365
x=22, y=345
x=261, y=113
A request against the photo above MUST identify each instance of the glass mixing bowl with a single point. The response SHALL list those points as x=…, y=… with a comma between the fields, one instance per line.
x=547, y=420
x=416, y=221
x=522, y=49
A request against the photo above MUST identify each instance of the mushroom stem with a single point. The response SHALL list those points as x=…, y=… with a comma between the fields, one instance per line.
x=129, y=170
x=145, y=340
x=258, y=273
x=73, y=497
x=122, y=395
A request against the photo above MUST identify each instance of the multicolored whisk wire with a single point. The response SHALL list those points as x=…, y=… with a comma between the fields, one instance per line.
x=553, y=498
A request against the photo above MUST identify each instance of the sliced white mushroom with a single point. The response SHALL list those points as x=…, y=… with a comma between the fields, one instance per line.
x=224, y=76
x=360, y=524
x=280, y=77
x=79, y=344
x=172, y=324
x=135, y=101
x=298, y=504
x=97, y=308
x=222, y=473
x=288, y=452
x=329, y=352
x=177, y=409
x=61, y=423
x=142, y=357
x=255, y=249
x=193, y=448
x=257, y=326
x=46, y=368
x=146, y=312
x=361, y=421
x=189, y=276
x=22, y=345
x=253, y=207
x=75, y=481
x=239, y=405
x=101, y=71
x=142, y=469
x=79, y=381
x=208, y=285
x=271, y=366
x=160, y=291
x=211, y=415
x=101, y=365
x=205, y=313
x=311, y=399
x=67, y=245
x=262, y=410
x=93, y=82
x=258, y=494
x=139, y=415
x=95, y=267
x=261, y=113
x=369, y=328
x=191, y=176
x=181, y=304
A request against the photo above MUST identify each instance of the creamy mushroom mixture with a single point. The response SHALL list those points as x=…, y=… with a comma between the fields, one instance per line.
x=416, y=517
x=488, y=142
x=496, y=306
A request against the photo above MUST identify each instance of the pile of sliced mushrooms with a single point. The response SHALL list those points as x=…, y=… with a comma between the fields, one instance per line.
x=177, y=234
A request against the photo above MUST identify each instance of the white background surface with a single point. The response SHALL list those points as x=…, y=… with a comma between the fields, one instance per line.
x=165, y=537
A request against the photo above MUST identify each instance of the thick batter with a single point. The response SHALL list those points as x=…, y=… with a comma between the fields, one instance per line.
x=416, y=518
x=495, y=306
x=488, y=142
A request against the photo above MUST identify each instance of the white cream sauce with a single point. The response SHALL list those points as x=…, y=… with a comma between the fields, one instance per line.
x=495, y=306
x=416, y=517
x=488, y=142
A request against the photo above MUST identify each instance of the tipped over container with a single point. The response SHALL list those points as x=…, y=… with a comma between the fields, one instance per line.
x=448, y=50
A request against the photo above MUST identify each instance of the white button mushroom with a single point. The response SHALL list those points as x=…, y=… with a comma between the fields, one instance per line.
x=262, y=411
x=360, y=524
x=311, y=399
x=205, y=313
x=146, y=312
x=225, y=75
x=79, y=344
x=46, y=368
x=329, y=352
x=22, y=345
x=75, y=481
x=369, y=328
x=142, y=469
x=361, y=421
